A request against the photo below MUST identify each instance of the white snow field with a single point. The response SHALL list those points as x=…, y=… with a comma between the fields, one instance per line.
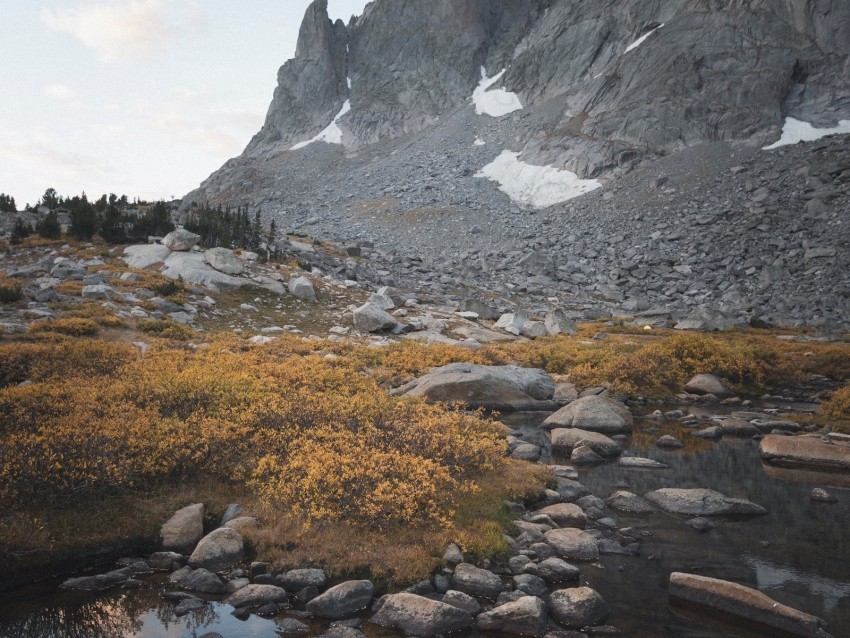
x=494, y=103
x=535, y=186
x=641, y=39
x=795, y=131
x=332, y=134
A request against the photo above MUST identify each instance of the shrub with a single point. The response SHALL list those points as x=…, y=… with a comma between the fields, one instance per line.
x=10, y=292
x=165, y=329
x=168, y=288
x=838, y=406
x=71, y=326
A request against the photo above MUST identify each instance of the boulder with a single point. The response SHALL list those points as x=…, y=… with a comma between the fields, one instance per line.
x=736, y=427
x=420, y=616
x=557, y=570
x=224, y=260
x=242, y=523
x=343, y=600
x=302, y=288
x=184, y=529
x=476, y=582
x=145, y=255
x=530, y=584
x=565, y=440
x=702, y=502
x=98, y=291
x=462, y=601
x=557, y=323
x=526, y=616
x=234, y=510
x=372, y=318
x=592, y=414
x=708, y=384
x=181, y=239
x=297, y=579
x=807, y=451
x=572, y=543
x=511, y=322
x=565, y=514
x=628, y=502
x=526, y=452
x=220, y=549
x=578, y=607
x=494, y=387
x=746, y=603
x=257, y=596
x=453, y=554
x=203, y=581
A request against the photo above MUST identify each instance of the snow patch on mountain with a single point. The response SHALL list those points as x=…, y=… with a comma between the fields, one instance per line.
x=795, y=131
x=535, y=186
x=642, y=39
x=333, y=133
x=495, y=103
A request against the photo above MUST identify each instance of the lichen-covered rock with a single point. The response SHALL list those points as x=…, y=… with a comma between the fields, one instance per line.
x=420, y=616
x=184, y=529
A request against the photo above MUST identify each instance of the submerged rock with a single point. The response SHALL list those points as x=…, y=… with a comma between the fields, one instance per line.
x=702, y=502
x=747, y=603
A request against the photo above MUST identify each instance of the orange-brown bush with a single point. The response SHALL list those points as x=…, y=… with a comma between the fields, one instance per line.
x=71, y=326
x=838, y=407
x=311, y=436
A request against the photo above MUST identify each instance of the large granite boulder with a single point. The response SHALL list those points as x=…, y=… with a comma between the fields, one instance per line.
x=494, y=387
x=593, y=414
x=526, y=616
x=419, y=616
x=564, y=441
x=578, y=607
x=343, y=600
x=475, y=581
x=572, y=544
x=184, y=529
x=224, y=260
x=221, y=549
x=181, y=239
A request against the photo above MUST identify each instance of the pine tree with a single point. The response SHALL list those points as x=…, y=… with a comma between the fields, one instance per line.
x=84, y=221
x=49, y=227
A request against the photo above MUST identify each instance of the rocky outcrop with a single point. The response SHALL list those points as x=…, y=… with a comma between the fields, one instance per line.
x=747, y=603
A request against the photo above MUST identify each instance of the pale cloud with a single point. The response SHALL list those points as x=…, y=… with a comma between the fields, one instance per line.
x=127, y=29
x=60, y=93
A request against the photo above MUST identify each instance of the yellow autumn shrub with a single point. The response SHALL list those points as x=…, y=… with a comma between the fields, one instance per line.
x=71, y=326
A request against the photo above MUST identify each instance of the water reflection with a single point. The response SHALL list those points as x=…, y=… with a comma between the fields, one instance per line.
x=772, y=576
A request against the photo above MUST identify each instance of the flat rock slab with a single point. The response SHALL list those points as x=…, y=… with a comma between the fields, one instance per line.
x=420, y=616
x=493, y=387
x=594, y=414
x=191, y=268
x=641, y=463
x=572, y=543
x=145, y=255
x=702, y=502
x=810, y=452
x=747, y=603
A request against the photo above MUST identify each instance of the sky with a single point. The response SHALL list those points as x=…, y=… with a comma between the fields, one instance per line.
x=138, y=97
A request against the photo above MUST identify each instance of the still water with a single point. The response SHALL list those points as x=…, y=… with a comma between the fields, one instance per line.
x=798, y=554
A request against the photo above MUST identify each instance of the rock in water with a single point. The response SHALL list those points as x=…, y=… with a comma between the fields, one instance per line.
x=747, y=603
x=420, y=616
x=257, y=596
x=592, y=414
x=476, y=581
x=807, y=451
x=565, y=440
x=578, y=607
x=702, y=502
x=525, y=617
x=571, y=543
x=343, y=600
x=184, y=529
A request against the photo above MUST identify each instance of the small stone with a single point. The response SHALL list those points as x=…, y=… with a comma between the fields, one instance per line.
x=820, y=495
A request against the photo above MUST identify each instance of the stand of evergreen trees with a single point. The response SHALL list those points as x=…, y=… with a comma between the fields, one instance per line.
x=226, y=228
x=7, y=204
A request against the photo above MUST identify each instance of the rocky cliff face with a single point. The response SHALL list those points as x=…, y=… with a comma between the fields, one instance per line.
x=707, y=70
x=661, y=100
